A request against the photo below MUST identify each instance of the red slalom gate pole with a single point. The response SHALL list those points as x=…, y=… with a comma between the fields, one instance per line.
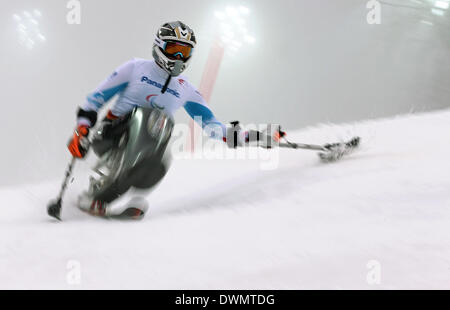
x=206, y=88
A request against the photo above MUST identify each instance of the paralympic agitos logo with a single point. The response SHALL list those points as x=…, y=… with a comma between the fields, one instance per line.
x=156, y=84
x=150, y=99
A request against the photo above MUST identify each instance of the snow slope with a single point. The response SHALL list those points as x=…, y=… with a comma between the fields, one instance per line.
x=230, y=225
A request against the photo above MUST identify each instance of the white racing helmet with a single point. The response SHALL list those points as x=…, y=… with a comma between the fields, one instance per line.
x=173, y=47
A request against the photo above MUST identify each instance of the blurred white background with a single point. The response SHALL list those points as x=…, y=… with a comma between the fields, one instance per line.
x=312, y=61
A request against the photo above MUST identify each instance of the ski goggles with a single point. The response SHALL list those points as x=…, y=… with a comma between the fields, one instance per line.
x=175, y=49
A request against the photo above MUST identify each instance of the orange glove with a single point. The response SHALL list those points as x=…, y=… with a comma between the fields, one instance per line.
x=278, y=135
x=78, y=145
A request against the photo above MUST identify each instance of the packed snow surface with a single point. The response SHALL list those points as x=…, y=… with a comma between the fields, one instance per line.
x=378, y=219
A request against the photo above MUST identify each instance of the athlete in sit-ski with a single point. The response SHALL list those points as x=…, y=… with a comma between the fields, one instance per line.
x=153, y=83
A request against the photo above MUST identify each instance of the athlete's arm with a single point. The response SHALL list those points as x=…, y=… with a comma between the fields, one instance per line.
x=198, y=110
x=114, y=84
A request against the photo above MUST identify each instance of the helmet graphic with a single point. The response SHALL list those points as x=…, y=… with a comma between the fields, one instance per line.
x=173, y=47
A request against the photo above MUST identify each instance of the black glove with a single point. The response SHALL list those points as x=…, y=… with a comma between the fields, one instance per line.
x=235, y=136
